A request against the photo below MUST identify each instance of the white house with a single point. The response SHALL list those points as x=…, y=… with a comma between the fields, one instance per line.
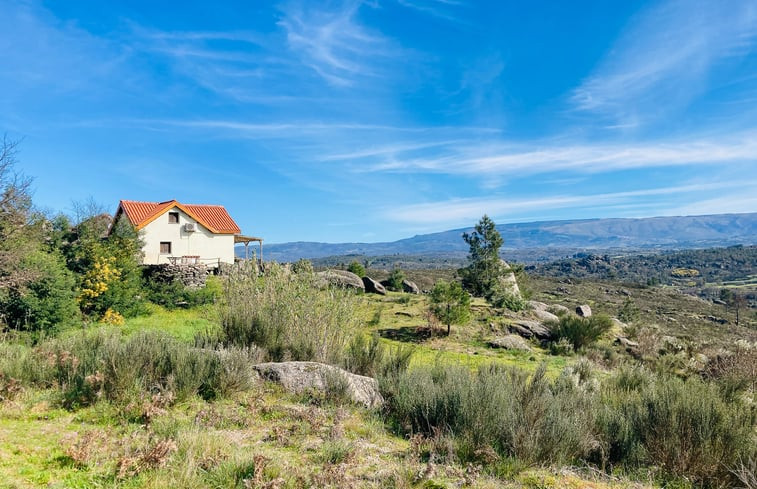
x=183, y=233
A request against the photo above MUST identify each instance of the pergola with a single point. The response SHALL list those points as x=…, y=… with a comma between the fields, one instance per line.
x=247, y=240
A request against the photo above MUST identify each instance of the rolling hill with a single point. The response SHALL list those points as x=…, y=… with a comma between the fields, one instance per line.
x=553, y=238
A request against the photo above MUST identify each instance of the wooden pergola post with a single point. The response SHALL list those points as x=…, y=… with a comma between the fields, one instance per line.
x=246, y=241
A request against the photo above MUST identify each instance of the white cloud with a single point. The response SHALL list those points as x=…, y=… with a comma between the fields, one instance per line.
x=334, y=44
x=456, y=211
x=498, y=158
x=663, y=59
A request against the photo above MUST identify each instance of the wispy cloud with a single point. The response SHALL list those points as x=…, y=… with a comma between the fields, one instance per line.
x=664, y=58
x=448, y=10
x=455, y=211
x=334, y=43
x=498, y=158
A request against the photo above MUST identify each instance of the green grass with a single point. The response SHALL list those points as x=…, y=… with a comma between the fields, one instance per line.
x=183, y=324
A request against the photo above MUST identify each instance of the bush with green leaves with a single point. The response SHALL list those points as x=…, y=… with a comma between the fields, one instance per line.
x=174, y=294
x=396, y=277
x=303, y=265
x=47, y=301
x=580, y=332
x=357, y=268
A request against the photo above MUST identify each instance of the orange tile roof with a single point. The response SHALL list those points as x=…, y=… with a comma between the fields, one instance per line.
x=213, y=217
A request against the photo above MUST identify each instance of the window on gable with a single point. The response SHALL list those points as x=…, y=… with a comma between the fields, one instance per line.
x=173, y=218
x=165, y=247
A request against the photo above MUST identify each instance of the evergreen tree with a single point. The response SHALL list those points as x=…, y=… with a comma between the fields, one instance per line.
x=450, y=303
x=481, y=275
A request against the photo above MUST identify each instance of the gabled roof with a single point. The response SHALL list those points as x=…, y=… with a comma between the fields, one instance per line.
x=213, y=217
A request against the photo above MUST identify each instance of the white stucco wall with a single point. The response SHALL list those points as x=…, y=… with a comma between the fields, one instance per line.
x=210, y=247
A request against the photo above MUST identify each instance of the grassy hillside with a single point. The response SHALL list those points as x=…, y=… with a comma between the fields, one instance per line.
x=139, y=405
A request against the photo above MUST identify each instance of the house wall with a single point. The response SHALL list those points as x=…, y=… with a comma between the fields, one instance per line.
x=210, y=247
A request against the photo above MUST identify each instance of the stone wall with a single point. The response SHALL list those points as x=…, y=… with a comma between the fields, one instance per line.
x=189, y=275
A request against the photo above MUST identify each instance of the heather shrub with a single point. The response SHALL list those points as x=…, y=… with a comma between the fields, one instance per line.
x=685, y=427
x=102, y=364
x=287, y=315
x=505, y=409
x=580, y=332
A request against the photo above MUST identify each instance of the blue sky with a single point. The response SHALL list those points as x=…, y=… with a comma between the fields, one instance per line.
x=378, y=120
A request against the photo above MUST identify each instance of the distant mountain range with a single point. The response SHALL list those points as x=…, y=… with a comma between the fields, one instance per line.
x=663, y=233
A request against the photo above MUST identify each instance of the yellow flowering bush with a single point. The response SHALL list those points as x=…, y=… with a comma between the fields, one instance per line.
x=112, y=317
x=96, y=281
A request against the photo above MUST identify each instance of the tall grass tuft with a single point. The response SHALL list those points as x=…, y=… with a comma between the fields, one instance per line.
x=580, y=332
x=288, y=315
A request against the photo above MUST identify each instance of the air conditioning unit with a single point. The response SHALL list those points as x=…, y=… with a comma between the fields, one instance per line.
x=190, y=227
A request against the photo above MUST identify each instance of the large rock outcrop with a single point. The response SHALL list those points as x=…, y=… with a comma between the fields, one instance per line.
x=507, y=281
x=410, y=287
x=510, y=342
x=530, y=329
x=340, y=278
x=373, y=286
x=584, y=311
x=300, y=377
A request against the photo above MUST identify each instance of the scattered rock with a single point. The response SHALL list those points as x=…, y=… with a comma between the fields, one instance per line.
x=631, y=347
x=558, y=309
x=373, y=286
x=671, y=344
x=520, y=330
x=340, y=278
x=543, y=315
x=625, y=342
x=716, y=319
x=537, y=306
x=299, y=377
x=624, y=292
x=584, y=311
x=618, y=323
x=536, y=328
x=562, y=290
x=510, y=342
x=410, y=287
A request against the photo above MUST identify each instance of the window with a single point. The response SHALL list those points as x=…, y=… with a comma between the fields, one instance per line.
x=165, y=247
x=173, y=218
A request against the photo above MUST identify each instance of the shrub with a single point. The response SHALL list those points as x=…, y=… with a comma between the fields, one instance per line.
x=287, y=315
x=89, y=366
x=43, y=303
x=580, y=332
x=500, y=297
x=395, y=280
x=501, y=408
x=684, y=427
x=174, y=294
x=357, y=268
